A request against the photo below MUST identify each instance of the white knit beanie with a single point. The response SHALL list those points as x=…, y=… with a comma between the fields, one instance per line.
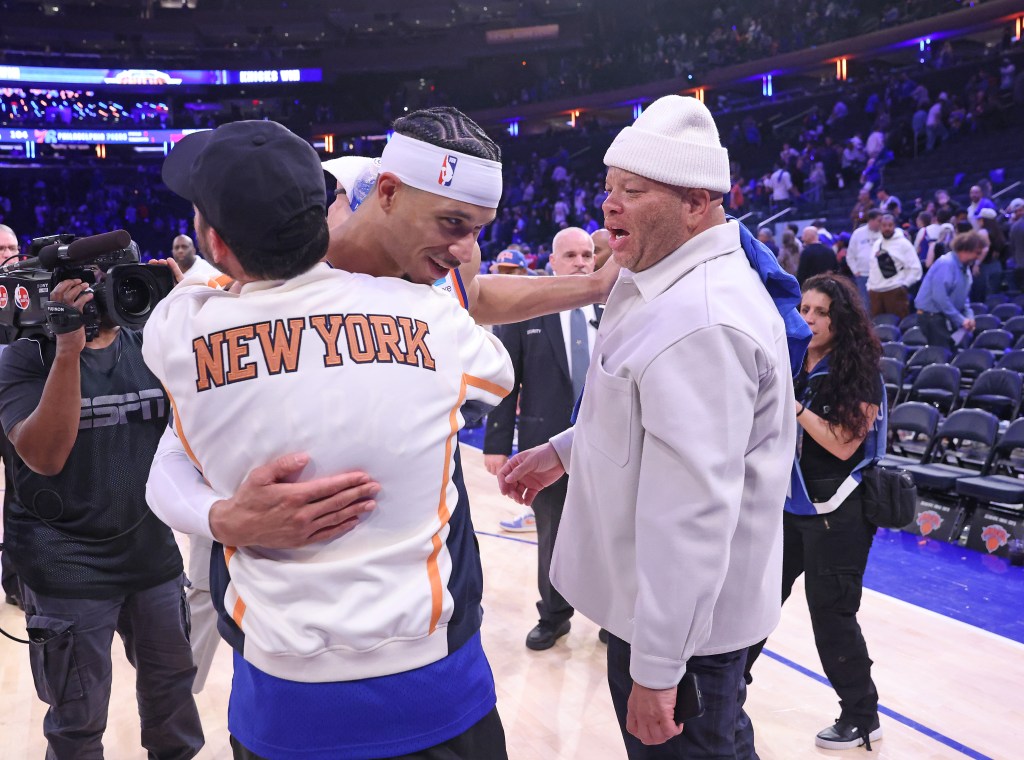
x=674, y=141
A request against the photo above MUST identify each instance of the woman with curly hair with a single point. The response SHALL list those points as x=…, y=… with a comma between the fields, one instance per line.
x=826, y=538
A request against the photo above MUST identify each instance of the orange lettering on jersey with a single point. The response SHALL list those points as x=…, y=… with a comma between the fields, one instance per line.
x=237, y=351
x=388, y=339
x=415, y=343
x=360, y=341
x=281, y=348
x=328, y=327
x=209, y=361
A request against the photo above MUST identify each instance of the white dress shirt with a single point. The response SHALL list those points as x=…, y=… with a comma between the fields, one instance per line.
x=590, y=314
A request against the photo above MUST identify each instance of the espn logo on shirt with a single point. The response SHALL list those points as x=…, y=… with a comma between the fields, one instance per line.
x=104, y=411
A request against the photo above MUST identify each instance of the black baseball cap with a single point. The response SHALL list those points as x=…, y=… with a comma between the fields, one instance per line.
x=250, y=180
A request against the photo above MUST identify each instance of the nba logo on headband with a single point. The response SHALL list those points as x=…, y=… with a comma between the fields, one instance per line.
x=447, y=170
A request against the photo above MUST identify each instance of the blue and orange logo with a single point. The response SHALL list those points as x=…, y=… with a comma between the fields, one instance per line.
x=929, y=521
x=994, y=536
x=447, y=171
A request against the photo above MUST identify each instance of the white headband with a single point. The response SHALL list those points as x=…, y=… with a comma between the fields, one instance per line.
x=444, y=172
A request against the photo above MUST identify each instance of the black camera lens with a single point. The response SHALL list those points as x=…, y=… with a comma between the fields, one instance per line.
x=133, y=296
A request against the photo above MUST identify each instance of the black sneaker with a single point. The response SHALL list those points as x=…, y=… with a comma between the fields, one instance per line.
x=543, y=636
x=845, y=735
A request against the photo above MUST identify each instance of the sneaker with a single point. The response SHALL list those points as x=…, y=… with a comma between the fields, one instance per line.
x=543, y=636
x=525, y=523
x=845, y=735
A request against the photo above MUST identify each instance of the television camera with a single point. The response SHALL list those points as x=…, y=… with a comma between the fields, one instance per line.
x=125, y=290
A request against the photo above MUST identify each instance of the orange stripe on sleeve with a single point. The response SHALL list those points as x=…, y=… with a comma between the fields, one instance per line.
x=238, y=612
x=486, y=385
x=444, y=514
x=181, y=433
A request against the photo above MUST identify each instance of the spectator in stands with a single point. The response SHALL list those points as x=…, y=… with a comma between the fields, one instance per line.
x=765, y=235
x=889, y=204
x=861, y=208
x=988, y=270
x=602, y=248
x=184, y=252
x=861, y=249
x=944, y=203
x=978, y=202
x=780, y=184
x=826, y=537
x=942, y=302
x=789, y=252
x=935, y=126
x=511, y=262
x=816, y=257
x=894, y=268
x=928, y=233
x=1016, y=239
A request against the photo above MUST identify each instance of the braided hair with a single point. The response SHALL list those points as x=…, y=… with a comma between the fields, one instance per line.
x=449, y=128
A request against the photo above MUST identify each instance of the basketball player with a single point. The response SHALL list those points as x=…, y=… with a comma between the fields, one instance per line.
x=324, y=635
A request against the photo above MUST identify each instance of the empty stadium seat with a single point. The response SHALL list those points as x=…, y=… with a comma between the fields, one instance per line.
x=1013, y=360
x=979, y=308
x=907, y=322
x=1002, y=483
x=993, y=340
x=915, y=337
x=886, y=319
x=892, y=375
x=922, y=357
x=997, y=391
x=972, y=362
x=912, y=426
x=983, y=322
x=895, y=351
x=960, y=448
x=938, y=385
x=1015, y=326
x=1007, y=311
x=996, y=299
x=888, y=333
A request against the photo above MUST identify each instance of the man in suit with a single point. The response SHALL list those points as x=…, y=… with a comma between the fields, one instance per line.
x=550, y=355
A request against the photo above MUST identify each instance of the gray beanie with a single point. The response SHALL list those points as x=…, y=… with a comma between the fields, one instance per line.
x=674, y=141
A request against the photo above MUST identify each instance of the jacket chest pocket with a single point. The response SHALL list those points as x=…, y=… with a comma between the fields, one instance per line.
x=611, y=430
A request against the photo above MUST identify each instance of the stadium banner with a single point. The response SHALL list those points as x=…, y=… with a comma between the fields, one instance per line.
x=156, y=77
x=94, y=136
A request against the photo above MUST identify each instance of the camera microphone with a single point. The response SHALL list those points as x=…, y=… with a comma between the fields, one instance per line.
x=84, y=249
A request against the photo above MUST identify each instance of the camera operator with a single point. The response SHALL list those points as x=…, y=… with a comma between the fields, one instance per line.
x=84, y=419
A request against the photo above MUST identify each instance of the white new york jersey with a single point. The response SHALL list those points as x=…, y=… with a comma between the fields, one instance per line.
x=361, y=373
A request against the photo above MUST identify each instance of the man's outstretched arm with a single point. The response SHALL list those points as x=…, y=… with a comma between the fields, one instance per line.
x=267, y=509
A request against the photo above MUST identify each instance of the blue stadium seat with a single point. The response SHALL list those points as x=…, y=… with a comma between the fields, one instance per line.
x=886, y=319
x=997, y=391
x=993, y=340
x=1007, y=311
x=983, y=322
x=938, y=385
x=892, y=375
x=888, y=333
x=1002, y=483
x=912, y=426
x=915, y=337
x=960, y=448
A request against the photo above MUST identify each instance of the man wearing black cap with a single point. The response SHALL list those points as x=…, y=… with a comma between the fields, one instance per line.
x=353, y=371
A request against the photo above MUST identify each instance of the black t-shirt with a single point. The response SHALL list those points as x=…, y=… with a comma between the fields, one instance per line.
x=88, y=532
x=817, y=465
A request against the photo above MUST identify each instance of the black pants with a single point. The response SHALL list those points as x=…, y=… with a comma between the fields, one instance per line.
x=484, y=739
x=936, y=329
x=832, y=551
x=723, y=731
x=547, y=508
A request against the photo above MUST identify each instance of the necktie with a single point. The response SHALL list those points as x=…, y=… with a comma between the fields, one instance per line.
x=579, y=345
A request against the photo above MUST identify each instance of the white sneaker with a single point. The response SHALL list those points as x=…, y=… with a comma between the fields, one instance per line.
x=524, y=523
